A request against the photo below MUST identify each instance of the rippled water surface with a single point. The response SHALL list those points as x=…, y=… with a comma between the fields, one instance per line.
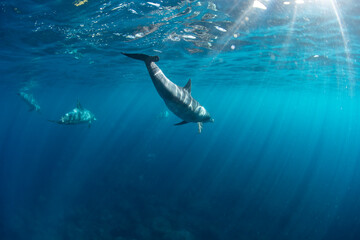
x=280, y=78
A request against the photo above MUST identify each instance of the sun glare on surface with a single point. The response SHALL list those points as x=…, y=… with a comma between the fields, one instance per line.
x=300, y=2
x=328, y=3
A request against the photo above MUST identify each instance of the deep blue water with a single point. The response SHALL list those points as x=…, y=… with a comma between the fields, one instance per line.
x=281, y=160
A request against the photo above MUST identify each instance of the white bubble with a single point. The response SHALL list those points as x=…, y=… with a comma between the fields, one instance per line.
x=220, y=29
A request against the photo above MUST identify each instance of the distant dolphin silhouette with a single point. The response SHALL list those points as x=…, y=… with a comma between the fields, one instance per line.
x=76, y=116
x=30, y=100
x=177, y=99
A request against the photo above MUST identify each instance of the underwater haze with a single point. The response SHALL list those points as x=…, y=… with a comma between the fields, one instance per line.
x=280, y=78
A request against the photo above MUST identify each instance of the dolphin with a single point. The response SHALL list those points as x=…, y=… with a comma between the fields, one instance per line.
x=76, y=116
x=163, y=114
x=30, y=100
x=177, y=99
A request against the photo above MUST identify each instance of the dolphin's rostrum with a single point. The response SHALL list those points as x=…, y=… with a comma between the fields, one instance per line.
x=76, y=116
x=177, y=99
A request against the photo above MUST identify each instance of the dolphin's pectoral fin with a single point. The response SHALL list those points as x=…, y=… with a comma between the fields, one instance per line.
x=181, y=123
x=31, y=109
x=200, y=126
x=89, y=125
x=188, y=86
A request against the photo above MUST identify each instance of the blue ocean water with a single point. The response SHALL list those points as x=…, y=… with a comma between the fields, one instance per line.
x=281, y=160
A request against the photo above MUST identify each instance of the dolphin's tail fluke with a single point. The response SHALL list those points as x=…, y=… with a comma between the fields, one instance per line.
x=142, y=57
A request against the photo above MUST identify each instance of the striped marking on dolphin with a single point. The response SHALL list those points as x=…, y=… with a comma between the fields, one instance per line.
x=177, y=99
x=77, y=116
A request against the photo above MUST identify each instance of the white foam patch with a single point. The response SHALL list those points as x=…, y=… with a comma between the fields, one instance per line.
x=133, y=11
x=212, y=6
x=259, y=5
x=154, y=4
x=139, y=35
x=189, y=36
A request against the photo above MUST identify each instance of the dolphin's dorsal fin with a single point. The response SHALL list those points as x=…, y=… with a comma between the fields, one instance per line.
x=78, y=105
x=188, y=86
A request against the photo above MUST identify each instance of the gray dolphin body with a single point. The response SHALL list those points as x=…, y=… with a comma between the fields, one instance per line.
x=30, y=100
x=177, y=99
x=76, y=116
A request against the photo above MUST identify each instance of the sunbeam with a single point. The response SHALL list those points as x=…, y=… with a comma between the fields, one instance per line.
x=345, y=41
